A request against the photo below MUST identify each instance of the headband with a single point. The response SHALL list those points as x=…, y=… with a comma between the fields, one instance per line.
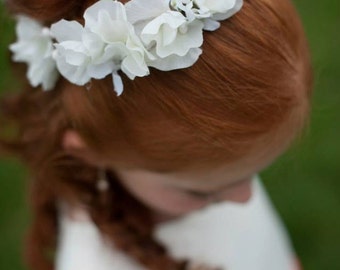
x=166, y=35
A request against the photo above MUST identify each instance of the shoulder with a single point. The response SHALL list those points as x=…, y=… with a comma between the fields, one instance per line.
x=235, y=236
x=82, y=246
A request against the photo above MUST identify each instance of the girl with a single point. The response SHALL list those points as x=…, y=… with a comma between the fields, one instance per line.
x=160, y=173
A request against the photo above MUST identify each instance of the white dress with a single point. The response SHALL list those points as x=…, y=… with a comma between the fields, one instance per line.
x=232, y=236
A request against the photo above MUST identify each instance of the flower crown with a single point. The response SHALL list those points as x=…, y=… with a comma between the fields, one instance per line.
x=162, y=34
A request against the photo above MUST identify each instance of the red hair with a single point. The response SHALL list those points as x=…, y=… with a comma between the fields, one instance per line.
x=250, y=88
x=247, y=85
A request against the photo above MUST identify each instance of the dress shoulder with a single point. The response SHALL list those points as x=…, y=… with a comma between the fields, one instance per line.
x=81, y=246
x=226, y=235
x=232, y=236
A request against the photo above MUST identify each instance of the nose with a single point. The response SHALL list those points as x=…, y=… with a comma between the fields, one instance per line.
x=240, y=193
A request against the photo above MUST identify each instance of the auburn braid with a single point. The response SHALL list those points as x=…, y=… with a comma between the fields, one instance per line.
x=129, y=224
x=118, y=215
x=57, y=177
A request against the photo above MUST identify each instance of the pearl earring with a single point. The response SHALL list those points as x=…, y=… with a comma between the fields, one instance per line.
x=102, y=182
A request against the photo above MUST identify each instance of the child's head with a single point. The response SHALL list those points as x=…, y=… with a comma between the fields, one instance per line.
x=233, y=112
x=196, y=130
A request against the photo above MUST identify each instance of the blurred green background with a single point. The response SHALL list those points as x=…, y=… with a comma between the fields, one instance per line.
x=304, y=184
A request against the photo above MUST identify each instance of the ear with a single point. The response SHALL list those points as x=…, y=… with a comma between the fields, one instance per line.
x=73, y=142
x=76, y=146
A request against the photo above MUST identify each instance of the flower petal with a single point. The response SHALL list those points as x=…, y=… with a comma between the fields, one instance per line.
x=168, y=35
x=115, y=9
x=211, y=25
x=193, y=38
x=173, y=62
x=93, y=44
x=100, y=71
x=114, y=52
x=217, y=6
x=133, y=66
x=171, y=18
x=142, y=10
x=43, y=73
x=110, y=30
x=27, y=28
x=117, y=83
x=23, y=51
x=73, y=52
x=76, y=75
x=220, y=16
x=67, y=30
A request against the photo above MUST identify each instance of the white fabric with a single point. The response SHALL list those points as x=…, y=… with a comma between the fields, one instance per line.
x=233, y=236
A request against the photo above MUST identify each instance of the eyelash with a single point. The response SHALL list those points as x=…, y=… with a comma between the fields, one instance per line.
x=198, y=195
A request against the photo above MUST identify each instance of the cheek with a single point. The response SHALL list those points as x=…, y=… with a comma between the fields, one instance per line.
x=240, y=193
x=171, y=202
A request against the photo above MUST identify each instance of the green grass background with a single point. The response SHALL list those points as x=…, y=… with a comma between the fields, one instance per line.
x=304, y=184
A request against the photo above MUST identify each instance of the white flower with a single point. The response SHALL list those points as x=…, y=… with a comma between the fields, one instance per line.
x=139, y=11
x=170, y=35
x=73, y=51
x=210, y=11
x=106, y=44
x=117, y=37
x=191, y=10
x=220, y=9
x=109, y=21
x=34, y=47
x=173, y=62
